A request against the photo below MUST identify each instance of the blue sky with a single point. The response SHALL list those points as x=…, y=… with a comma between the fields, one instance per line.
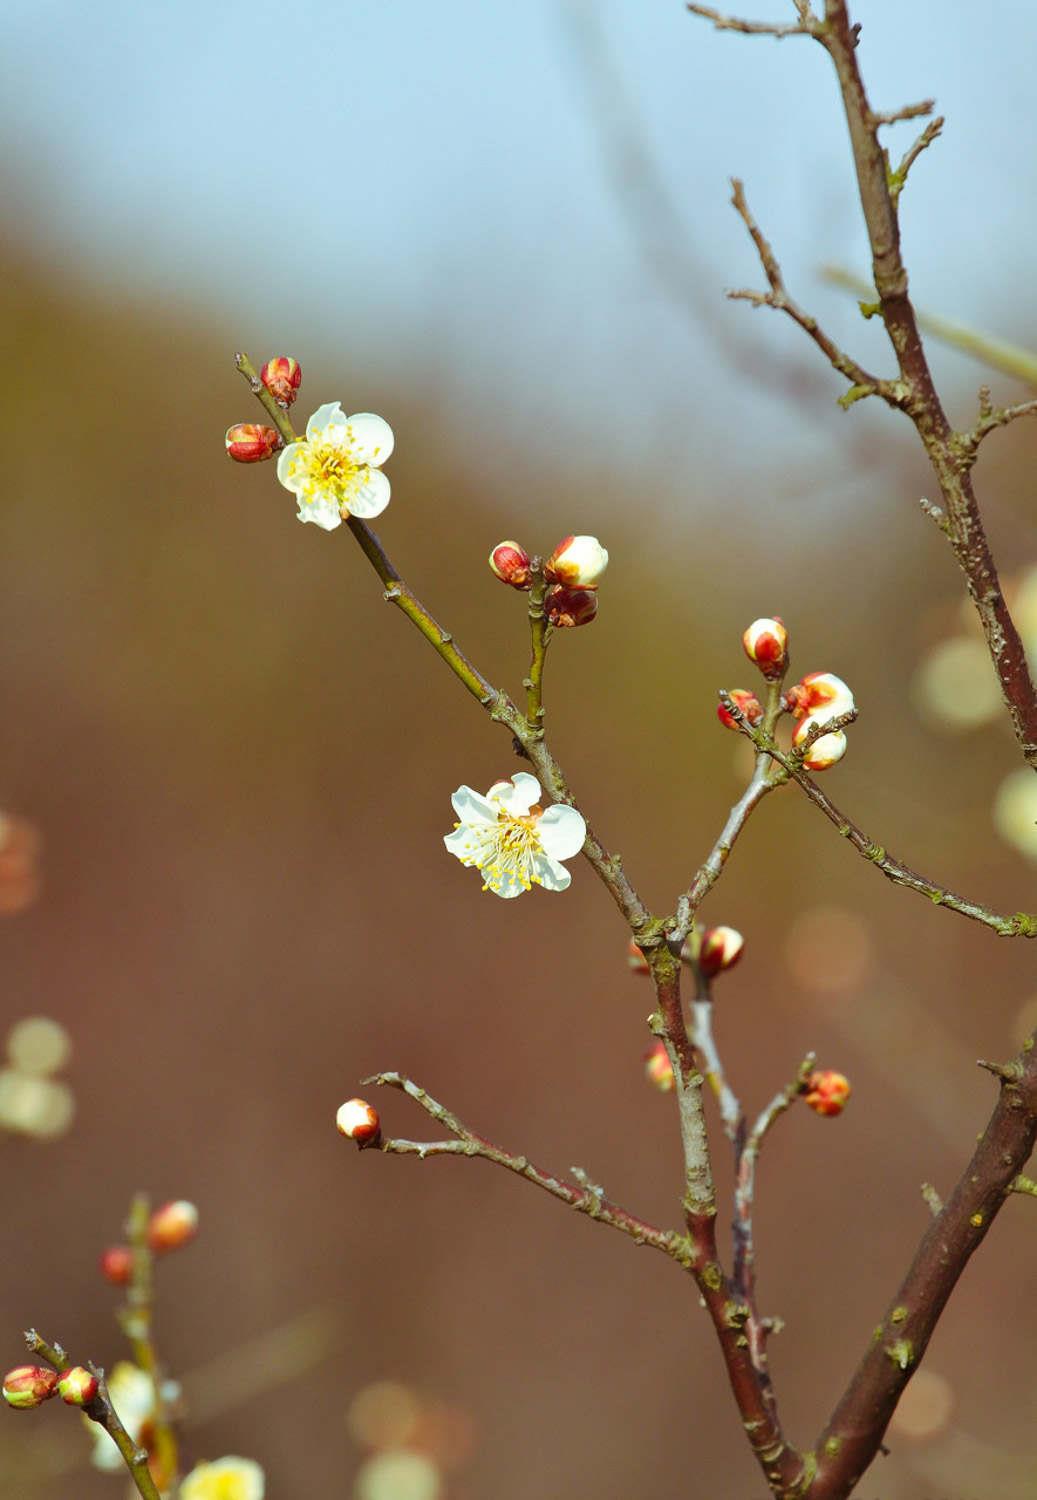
x=398, y=179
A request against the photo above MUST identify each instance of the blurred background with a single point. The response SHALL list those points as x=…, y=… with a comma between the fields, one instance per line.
x=506, y=229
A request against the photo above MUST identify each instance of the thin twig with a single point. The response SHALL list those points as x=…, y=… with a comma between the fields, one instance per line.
x=898, y=179
x=862, y=383
x=805, y=26
x=539, y=635
x=101, y=1411
x=744, y=1274
x=584, y=1199
x=1019, y=924
x=905, y=112
x=136, y=1322
x=990, y=419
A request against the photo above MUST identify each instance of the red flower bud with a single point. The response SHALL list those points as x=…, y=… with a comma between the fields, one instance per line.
x=282, y=377
x=358, y=1121
x=172, y=1225
x=27, y=1386
x=76, y=1386
x=720, y=948
x=659, y=1068
x=766, y=643
x=510, y=562
x=747, y=702
x=827, y=1092
x=117, y=1265
x=565, y=607
x=248, y=444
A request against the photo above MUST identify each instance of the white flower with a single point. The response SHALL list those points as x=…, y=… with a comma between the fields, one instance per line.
x=133, y=1396
x=336, y=469
x=514, y=842
x=226, y=1479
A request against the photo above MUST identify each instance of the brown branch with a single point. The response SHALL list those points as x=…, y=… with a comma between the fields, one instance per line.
x=905, y=112
x=991, y=418
x=855, y=1430
x=965, y=525
x=862, y=383
x=585, y=1199
x=928, y=135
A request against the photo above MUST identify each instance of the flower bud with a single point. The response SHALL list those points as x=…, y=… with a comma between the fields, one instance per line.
x=822, y=693
x=29, y=1385
x=249, y=444
x=766, y=643
x=282, y=377
x=827, y=1092
x=577, y=561
x=636, y=959
x=747, y=702
x=358, y=1121
x=172, y=1225
x=76, y=1386
x=565, y=607
x=117, y=1265
x=659, y=1068
x=510, y=562
x=720, y=948
x=826, y=750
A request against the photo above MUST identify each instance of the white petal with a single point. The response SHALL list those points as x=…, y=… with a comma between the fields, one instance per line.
x=329, y=415
x=525, y=795
x=322, y=511
x=562, y=831
x=501, y=792
x=285, y=463
x=460, y=843
x=552, y=875
x=370, y=438
x=470, y=807
x=369, y=497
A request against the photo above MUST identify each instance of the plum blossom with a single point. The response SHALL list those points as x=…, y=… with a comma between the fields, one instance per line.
x=513, y=841
x=225, y=1479
x=335, y=470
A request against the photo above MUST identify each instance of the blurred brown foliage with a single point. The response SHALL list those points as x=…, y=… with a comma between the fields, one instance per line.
x=241, y=763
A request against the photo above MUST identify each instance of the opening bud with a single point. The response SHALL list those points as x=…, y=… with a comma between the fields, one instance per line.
x=117, y=1264
x=636, y=959
x=825, y=751
x=358, y=1121
x=820, y=692
x=172, y=1225
x=282, y=377
x=766, y=643
x=746, y=702
x=510, y=562
x=76, y=1386
x=577, y=561
x=659, y=1069
x=827, y=1092
x=249, y=444
x=29, y=1385
x=566, y=607
x=720, y=948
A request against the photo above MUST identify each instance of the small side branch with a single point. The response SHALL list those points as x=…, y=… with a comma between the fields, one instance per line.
x=990, y=419
x=898, y=179
x=101, y=1411
x=862, y=383
x=806, y=25
x=1019, y=924
x=586, y=1198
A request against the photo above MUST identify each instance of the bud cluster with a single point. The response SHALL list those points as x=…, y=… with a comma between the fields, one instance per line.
x=572, y=573
x=815, y=700
x=358, y=1121
x=826, y=1092
x=251, y=443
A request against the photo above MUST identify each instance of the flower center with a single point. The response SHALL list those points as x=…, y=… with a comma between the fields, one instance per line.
x=330, y=470
x=510, y=849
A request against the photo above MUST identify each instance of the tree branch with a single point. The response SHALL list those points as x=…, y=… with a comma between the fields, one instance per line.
x=1019, y=924
x=855, y=1430
x=585, y=1199
x=805, y=26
